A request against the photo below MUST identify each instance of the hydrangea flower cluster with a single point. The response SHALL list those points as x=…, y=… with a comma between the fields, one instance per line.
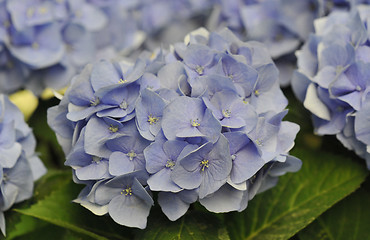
x=280, y=24
x=44, y=42
x=19, y=165
x=167, y=21
x=199, y=122
x=333, y=78
x=154, y=15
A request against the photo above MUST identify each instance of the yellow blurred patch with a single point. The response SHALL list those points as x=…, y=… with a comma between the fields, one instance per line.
x=49, y=93
x=25, y=101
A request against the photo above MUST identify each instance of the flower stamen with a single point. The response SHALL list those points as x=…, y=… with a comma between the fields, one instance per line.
x=204, y=164
x=199, y=69
x=131, y=155
x=194, y=123
x=152, y=120
x=96, y=159
x=170, y=164
x=94, y=102
x=226, y=113
x=123, y=105
x=122, y=80
x=113, y=129
x=127, y=191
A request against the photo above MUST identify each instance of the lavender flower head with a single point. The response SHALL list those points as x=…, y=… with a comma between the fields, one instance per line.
x=201, y=121
x=19, y=165
x=280, y=24
x=45, y=42
x=333, y=81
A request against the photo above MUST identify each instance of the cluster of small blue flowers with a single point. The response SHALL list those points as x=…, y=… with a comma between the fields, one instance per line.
x=280, y=24
x=200, y=122
x=19, y=165
x=43, y=43
x=333, y=78
x=154, y=15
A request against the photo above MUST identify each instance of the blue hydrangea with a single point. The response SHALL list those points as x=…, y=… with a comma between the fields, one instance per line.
x=333, y=78
x=43, y=43
x=19, y=164
x=280, y=24
x=201, y=121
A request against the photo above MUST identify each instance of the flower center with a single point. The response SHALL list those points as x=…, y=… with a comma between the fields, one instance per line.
x=5, y=177
x=123, y=105
x=194, y=123
x=127, y=191
x=256, y=92
x=170, y=164
x=259, y=142
x=152, y=120
x=35, y=45
x=43, y=10
x=339, y=69
x=199, y=69
x=113, y=129
x=204, y=164
x=233, y=157
x=95, y=102
x=30, y=11
x=96, y=159
x=122, y=80
x=226, y=113
x=131, y=155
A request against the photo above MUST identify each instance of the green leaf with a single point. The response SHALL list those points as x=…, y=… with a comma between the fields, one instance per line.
x=348, y=219
x=18, y=224
x=298, y=198
x=195, y=225
x=29, y=228
x=51, y=181
x=49, y=231
x=47, y=146
x=58, y=209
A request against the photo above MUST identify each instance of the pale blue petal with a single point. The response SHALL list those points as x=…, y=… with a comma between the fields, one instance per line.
x=226, y=199
x=185, y=179
x=120, y=164
x=161, y=181
x=172, y=205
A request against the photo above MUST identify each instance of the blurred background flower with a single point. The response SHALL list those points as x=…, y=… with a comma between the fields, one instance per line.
x=19, y=164
x=333, y=80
